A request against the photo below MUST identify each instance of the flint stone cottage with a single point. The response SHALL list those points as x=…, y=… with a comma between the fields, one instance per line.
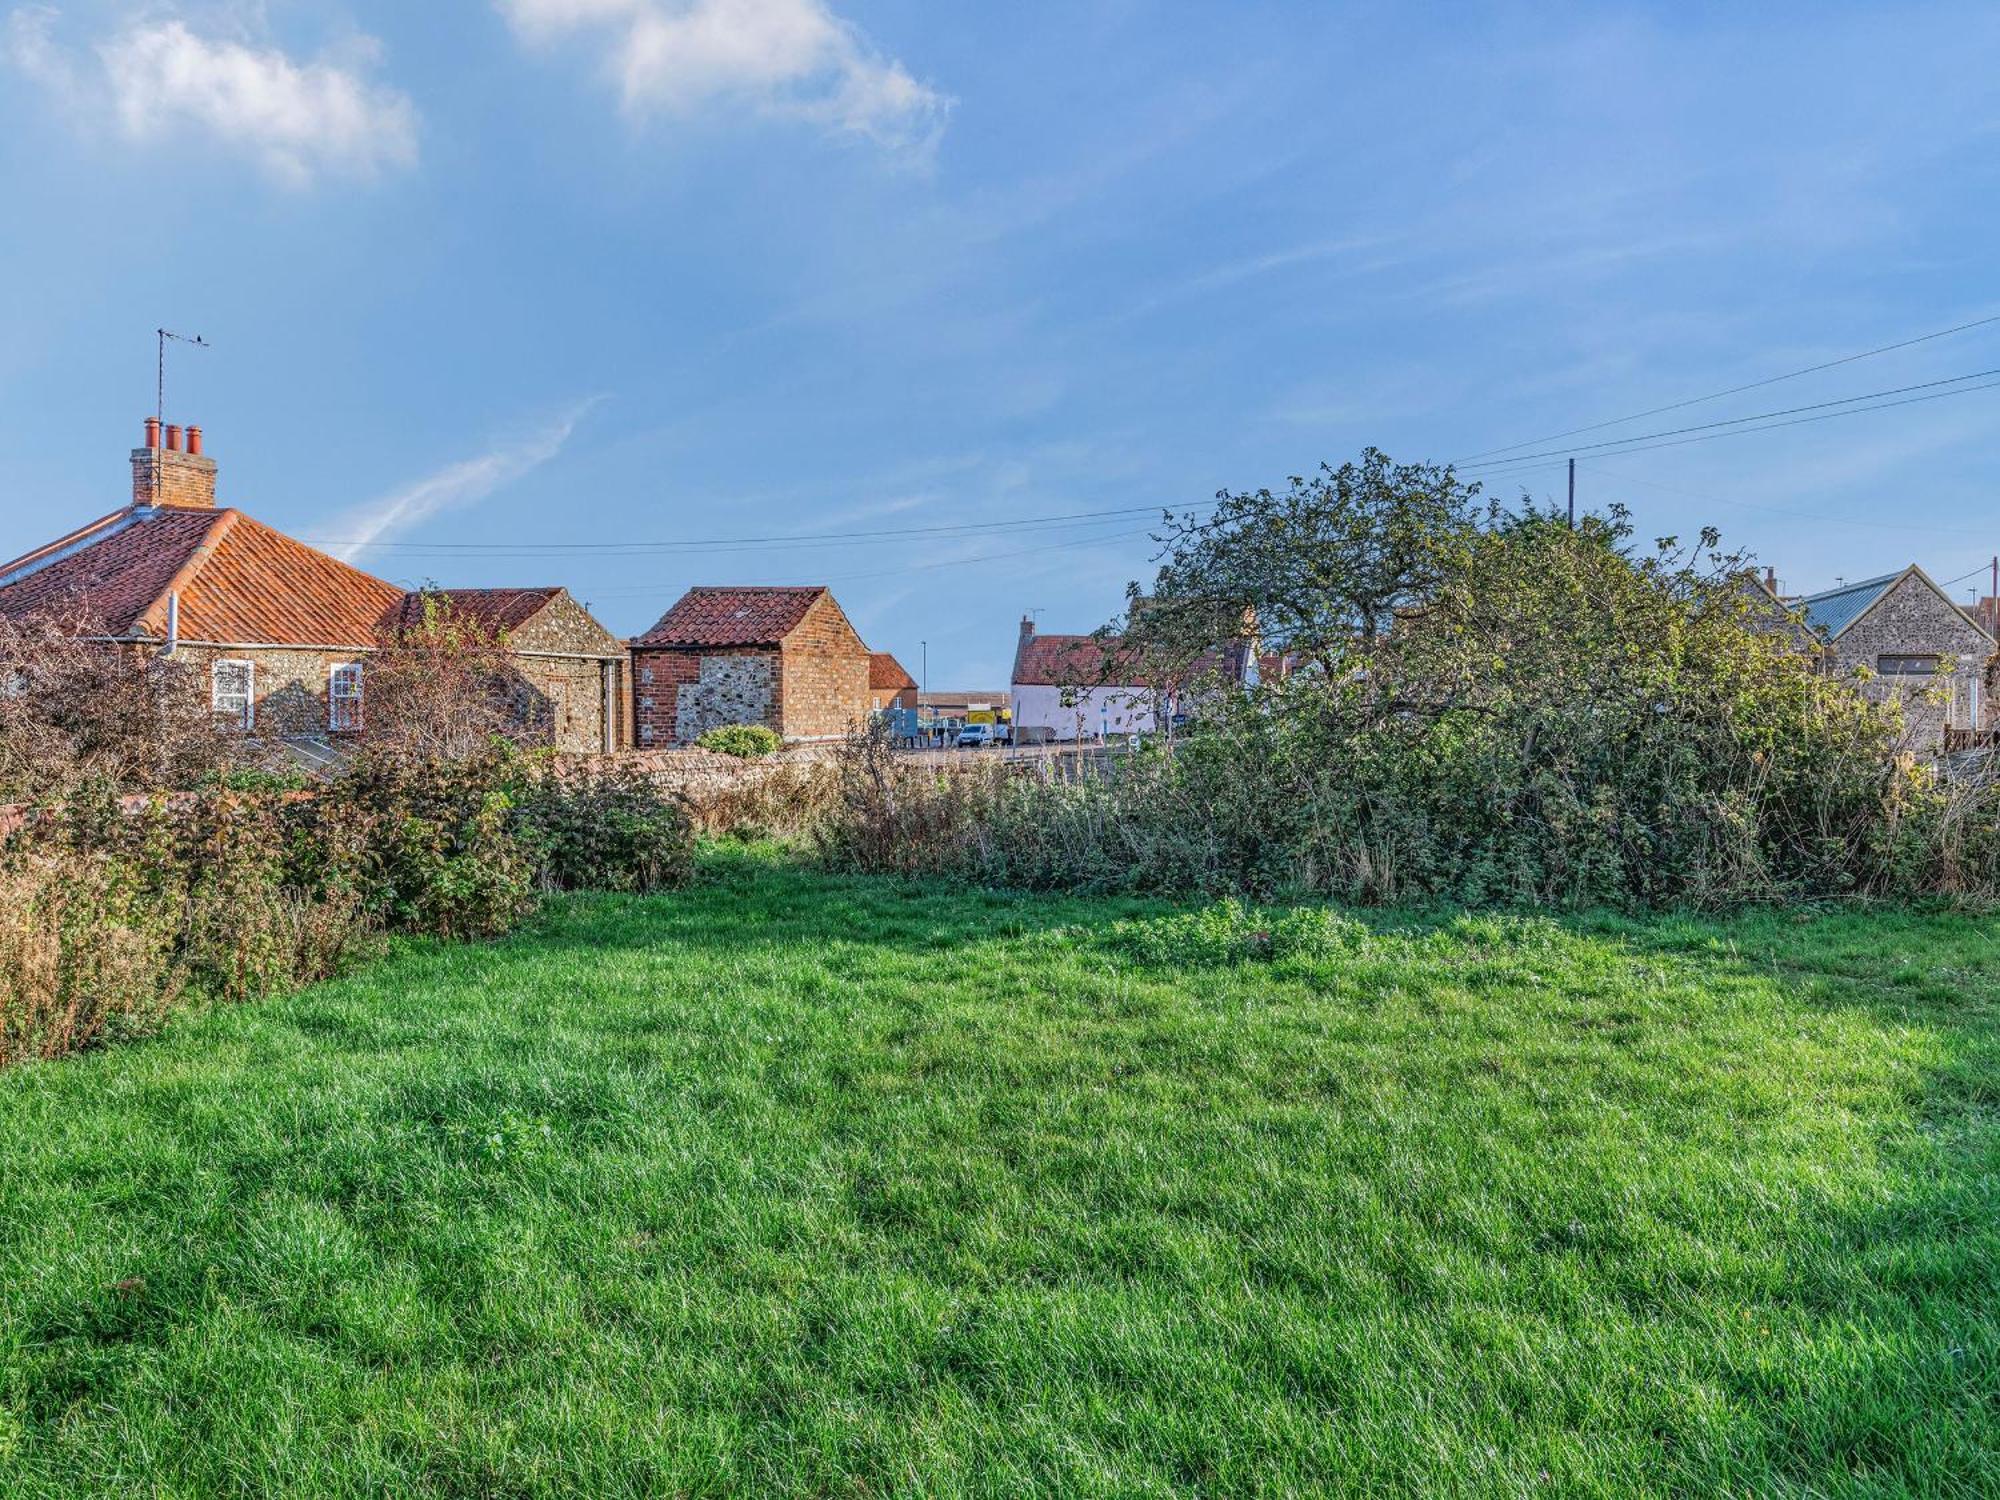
x=785, y=658
x=1905, y=630
x=280, y=631
x=571, y=669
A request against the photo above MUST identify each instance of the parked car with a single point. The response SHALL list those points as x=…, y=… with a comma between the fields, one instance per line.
x=975, y=737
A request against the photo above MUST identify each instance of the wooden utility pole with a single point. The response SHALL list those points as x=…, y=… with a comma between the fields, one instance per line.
x=1572, y=494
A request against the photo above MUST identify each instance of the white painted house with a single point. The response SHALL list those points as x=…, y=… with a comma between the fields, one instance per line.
x=1060, y=693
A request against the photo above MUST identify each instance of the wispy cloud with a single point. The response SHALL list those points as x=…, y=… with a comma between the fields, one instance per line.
x=453, y=487
x=789, y=58
x=298, y=121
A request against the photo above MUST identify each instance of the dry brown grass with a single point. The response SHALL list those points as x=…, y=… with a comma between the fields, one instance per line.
x=83, y=957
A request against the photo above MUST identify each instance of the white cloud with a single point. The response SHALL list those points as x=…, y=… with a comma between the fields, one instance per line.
x=453, y=487
x=792, y=58
x=155, y=78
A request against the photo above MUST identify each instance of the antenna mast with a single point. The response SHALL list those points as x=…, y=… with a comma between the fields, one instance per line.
x=160, y=389
x=160, y=369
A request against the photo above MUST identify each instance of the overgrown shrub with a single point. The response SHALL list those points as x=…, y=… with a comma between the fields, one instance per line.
x=892, y=816
x=782, y=799
x=74, y=711
x=444, y=856
x=110, y=914
x=86, y=953
x=744, y=741
x=602, y=826
x=1562, y=723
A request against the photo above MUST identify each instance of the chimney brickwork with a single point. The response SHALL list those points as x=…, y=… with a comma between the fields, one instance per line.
x=167, y=475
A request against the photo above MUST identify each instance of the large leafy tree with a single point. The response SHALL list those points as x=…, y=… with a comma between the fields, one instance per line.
x=1322, y=568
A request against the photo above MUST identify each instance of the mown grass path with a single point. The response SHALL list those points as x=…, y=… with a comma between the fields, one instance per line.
x=793, y=1185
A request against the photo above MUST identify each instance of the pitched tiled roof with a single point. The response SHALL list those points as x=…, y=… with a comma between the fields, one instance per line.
x=732, y=617
x=107, y=575
x=886, y=674
x=1836, y=609
x=1093, y=661
x=240, y=582
x=1067, y=660
x=495, y=610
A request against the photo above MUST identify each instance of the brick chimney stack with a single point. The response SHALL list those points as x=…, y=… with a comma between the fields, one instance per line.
x=1027, y=626
x=163, y=473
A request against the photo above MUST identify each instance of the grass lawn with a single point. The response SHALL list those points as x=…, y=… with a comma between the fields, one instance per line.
x=794, y=1185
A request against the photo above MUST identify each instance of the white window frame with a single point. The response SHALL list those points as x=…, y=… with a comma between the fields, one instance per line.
x=245, y=715
x=351, y=722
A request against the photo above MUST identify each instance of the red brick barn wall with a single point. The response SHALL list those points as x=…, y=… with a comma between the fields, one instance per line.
x=677, y=695
x=825, y=686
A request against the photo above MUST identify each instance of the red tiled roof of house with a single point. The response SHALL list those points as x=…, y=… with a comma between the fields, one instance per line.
x=1068, y=660
x=105, y=576
x=886, y=674
x=495, y=610
x=240, y=582
x=732, y=617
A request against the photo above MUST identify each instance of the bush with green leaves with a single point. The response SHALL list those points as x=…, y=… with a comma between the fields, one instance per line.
x=1564, y=721
x=744, y=741
x=601, y=825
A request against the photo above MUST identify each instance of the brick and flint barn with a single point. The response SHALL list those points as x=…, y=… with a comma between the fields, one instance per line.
x=570, y=669
x=786, y=658
x=280, y=632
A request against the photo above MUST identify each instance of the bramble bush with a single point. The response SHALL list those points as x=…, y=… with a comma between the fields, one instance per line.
x=1560, y=722
x=598, y=825
x=113, y=916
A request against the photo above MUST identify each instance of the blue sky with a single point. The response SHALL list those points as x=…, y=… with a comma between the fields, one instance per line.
x=486, y=276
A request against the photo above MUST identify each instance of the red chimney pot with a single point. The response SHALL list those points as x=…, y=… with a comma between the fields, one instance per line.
x=152, y=432
x=194, y=441
x=173, y=437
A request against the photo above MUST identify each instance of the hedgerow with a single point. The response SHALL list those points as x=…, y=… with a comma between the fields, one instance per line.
x=115, y=915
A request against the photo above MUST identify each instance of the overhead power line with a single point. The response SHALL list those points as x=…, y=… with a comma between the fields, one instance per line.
x=1735, y=390
x=700, y=544
x=1707, y=431
x=1905, y=527
x=645, y=590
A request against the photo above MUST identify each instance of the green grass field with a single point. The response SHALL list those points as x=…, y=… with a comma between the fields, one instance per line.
x=794, y=1185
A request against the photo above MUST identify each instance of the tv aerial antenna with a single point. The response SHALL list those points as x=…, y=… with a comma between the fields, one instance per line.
x=195, y=341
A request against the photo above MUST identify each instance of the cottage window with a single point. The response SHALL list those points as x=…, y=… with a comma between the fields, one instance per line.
x=232, y=692
x=1906, y=666
x=343, y=697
